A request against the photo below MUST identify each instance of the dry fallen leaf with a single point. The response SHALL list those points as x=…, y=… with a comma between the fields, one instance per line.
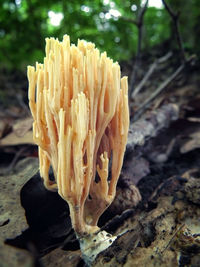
x=12, y=139
x=192, y=143
x=21, y=134
x=12, y=216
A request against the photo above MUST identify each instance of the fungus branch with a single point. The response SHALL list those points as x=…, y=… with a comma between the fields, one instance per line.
x=80, y=108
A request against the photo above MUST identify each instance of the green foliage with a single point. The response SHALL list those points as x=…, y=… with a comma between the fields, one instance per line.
x=159, y=30
x=189, y=23
x=24, y=24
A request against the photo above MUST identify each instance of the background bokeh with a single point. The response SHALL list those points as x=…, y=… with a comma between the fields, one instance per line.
x=24, y=24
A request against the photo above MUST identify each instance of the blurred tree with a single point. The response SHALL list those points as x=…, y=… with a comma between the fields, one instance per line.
x=189, y=17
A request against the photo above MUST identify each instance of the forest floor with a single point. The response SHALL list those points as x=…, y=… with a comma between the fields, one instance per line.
x=157, y=209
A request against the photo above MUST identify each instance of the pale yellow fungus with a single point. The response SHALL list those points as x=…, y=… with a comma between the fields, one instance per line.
x=81, y=118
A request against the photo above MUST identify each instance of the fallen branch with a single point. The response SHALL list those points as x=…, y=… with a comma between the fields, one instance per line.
x=150, y=72
x=158, y=91
x=146, y=128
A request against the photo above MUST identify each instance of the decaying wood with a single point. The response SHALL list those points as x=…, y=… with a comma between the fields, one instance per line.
x=144, y=129
x=164, y=233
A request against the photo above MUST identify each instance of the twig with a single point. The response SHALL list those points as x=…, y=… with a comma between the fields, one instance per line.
x=8, y=169
x=139, y=46
x=150, y=72
x=175, y=18
x=22, y=104
x=171, y=239
x=162, y=87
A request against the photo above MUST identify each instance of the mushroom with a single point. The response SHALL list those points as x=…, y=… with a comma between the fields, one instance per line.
x=79, y=104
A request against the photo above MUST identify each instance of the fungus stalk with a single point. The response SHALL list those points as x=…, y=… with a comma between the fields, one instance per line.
x=79, y=104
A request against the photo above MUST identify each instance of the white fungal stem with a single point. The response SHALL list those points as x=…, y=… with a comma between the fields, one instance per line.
x=92, y=245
